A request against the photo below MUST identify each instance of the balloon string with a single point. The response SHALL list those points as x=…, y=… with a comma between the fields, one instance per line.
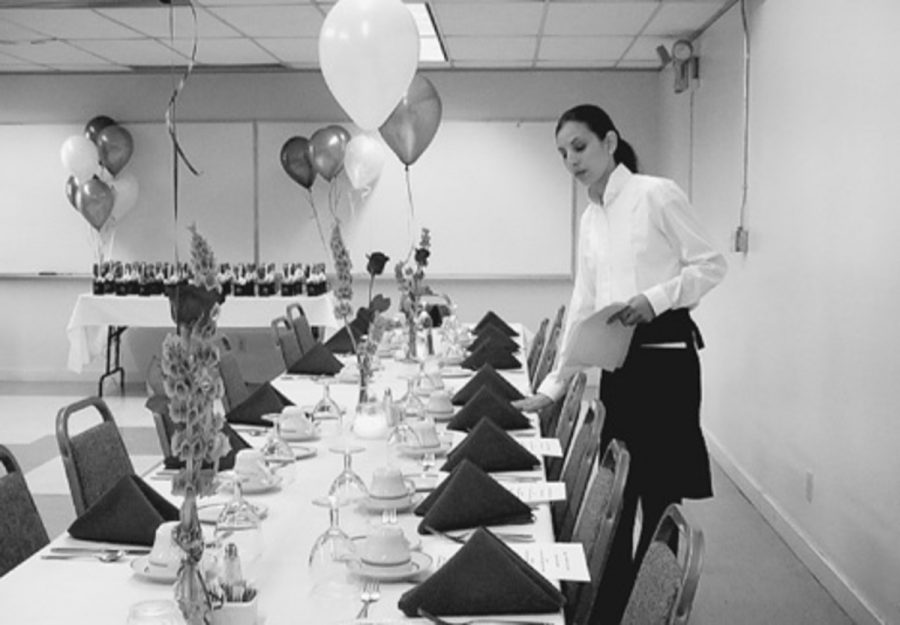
x=315, y=211
x=412, y=215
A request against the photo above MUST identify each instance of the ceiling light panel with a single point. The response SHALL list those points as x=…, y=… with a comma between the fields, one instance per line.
x=490, y=49
x=154, y=22
x=603, y=18
x=273, y=21
x=227, y=52
x=68, y=23
x=681, y=19
x=583, y=48
x=147, y=52
x=473, y=19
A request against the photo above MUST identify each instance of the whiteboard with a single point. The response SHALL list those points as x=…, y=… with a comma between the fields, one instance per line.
x=494, y=194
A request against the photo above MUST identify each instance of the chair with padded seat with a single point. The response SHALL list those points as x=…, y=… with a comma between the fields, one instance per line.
x=534, y=351
x=95, y=458
x=565, y=423
x=596, y=523
x=300, y=324
x=22, y=532
x=287, y=341
x=236, y=389
x=547, y=358
x=669, y=573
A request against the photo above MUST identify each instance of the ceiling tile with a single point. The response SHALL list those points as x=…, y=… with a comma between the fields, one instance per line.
x=644, y=49
x=52, y=52
x=68, y=23
x=273, y=21
x=582, y=48
x=227, y=52
x=10, y=31
x=681, y=19
x=493, y=64
x=133, y=53
x=154, y=22
x=604, y=18
x=491, y=49
x=252, y=3
x=488, y=19
x=292, y=50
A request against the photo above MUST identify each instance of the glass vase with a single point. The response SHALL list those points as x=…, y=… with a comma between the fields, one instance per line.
x=190, y=588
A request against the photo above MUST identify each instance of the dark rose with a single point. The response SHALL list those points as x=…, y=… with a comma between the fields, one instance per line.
x=421, y=256
x=376, y=263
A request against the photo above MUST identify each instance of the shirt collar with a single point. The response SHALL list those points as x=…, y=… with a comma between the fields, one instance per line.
x=617, y=181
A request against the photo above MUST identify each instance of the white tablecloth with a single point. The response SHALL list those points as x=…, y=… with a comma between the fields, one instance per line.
x=93, y=313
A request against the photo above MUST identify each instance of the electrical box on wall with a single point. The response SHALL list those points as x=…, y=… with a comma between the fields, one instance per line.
x=741, y=240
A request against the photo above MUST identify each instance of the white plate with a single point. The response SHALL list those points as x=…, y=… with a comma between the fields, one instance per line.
x=415, y=451
x=296, y=437
x=456, y=372
x=419, y=562
x=400, y=504
x=301, y=452
x=415, y=542
x=159, y=574
x=209, y=513
x=257, y=486
x=440, y=417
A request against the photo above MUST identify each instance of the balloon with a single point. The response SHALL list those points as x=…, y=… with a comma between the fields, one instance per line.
x=125, y=192
x=368, y=52
x=327, y=147
x=364, y=160
x=72, y=191
x=414, y=122
x=80, y=157
x=95, y=201
x=93, y=127
x=296, y=158
x=115, y=145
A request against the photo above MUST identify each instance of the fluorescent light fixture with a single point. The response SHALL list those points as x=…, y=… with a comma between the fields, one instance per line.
x=431, y=48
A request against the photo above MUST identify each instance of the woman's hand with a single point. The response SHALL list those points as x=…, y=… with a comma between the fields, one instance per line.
x=534, y=403
x=637, y=310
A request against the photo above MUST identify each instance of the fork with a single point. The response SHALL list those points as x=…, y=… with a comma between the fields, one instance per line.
x=370, y=594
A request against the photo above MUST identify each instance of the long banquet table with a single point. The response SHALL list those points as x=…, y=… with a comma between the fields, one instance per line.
x=87, y=591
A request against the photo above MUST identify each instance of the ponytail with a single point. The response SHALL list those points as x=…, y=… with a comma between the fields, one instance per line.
x=624, y=155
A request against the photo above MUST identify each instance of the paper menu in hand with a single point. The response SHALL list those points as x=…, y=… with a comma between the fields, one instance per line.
x=596, y=343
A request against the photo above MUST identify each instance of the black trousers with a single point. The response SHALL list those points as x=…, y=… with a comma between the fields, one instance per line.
x=653, y=406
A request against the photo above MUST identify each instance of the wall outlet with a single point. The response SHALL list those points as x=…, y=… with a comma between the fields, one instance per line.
x=810, y=485
x=741, y=240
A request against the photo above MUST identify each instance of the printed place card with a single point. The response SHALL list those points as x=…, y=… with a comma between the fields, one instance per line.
x=555, y=560
x=537, y=492
x=542, y=446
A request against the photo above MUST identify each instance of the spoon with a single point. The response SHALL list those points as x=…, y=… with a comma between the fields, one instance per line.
x=106, y=556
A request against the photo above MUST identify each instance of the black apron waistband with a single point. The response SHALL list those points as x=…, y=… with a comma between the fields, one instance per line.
x=673, y=326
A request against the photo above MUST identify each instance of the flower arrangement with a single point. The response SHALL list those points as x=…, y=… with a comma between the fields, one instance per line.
x=410, y=280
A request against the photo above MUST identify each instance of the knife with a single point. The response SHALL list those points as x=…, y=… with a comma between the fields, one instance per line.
x=136, y=551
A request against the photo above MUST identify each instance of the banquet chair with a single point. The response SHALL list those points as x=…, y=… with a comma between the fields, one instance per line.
x=668, y=575
x=548, y=356
x=565, y=423
x=534, y=351
x=596, y=523
x=300, y=324
x=236, y=389
x=577, y=470
x=287, y=341
x=94, y=459
x=22, y=532
x=164, y=431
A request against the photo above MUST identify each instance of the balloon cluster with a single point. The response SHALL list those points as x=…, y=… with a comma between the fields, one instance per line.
x=94, y=162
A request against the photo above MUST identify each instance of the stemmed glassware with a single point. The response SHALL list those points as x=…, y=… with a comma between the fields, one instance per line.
x=239, y=522
x=276, y=449
x=326, y=408
x=410, y=405
x=330, y=554
x=348, y=486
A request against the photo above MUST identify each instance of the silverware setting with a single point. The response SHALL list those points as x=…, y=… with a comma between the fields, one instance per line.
x=103, y=556
x=130, y=551
x=478, y=621
x=510, y=537
x=371, y=593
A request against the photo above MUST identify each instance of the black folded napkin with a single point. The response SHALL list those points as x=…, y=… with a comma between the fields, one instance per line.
x=493, y=335
x=486, y=376
x=469, y=497
x=490, y=353
x=128, y=513
x=492, y=319
x=226, y=462
x=318, y=360
x=340, y=342
x=484, y=577
x=487, y=404
x=490, y=447
x=264, y=400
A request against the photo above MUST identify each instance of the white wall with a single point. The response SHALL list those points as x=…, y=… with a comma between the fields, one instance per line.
x=802, y=366
x=35, y=310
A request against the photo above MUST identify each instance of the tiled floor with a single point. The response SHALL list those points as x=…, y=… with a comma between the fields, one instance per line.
x=749, y=576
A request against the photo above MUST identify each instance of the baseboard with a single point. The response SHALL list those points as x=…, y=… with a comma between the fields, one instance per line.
x=822, y=569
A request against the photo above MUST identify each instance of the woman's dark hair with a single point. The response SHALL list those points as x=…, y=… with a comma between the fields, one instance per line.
x=600, y=123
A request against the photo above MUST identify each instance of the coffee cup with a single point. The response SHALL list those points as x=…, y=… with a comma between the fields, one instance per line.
x=250, y=465
x=294, y=420
x=389, y=483
x=165, y=551
x=439, y=402
x=386, y=546
x=426, y=433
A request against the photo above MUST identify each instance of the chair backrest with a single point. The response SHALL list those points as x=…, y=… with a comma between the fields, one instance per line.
x=164, y=431
x=287, y=341
x=94, y=459
x=596, y=524
x=669, y=573
x=300, y=324
x=22, y=532
x=236, y=391
x=535, y=349
x=565, y=424
x=577, y=470
x=548, y=357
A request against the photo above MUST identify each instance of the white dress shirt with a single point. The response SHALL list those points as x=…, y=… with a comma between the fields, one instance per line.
x=643, y=238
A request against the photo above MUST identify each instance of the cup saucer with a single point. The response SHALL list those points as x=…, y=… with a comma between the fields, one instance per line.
x=209, y=513
x=154, y=572
x=418, y=563
x=414, y=541
x=258, y=484
x=417, y=451
x=295, y=436
x=399, y=504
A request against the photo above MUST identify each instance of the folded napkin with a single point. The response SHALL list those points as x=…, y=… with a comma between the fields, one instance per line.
x=340, y=342
x=469, y=497
x=490, y=447
x=487, y=404
x=128, y=513
x=318, y=360
x=491, y=353
x=493, y=335
x=486, y=376
x=226, y=462
x=492, y=319
x=484, y=577
x=264, y=400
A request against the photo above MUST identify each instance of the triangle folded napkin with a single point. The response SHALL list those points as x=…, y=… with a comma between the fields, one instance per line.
x=469, y=497
x=264, y=400
x=317, y=360
x=484, y=577
x=492, y=319
x=486, y=376
x=486, y=404
x=127, y=513
x=495, y=355
x=494, y=336
x=340, y=342
x=236, y=443
x=491, y=448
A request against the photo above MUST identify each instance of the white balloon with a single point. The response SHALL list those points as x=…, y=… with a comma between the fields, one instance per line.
x=125, y=188
x=363, y=160
x=368, y=52
x=80, y=157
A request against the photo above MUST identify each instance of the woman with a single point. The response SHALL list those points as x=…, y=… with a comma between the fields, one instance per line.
x=639, y=244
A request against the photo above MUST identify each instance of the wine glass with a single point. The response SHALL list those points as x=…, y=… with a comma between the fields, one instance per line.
x=239, y=523
x=329, y=556
x=275, y=449
x=411, y=406
x=348, y=486
x=326, y=408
